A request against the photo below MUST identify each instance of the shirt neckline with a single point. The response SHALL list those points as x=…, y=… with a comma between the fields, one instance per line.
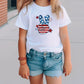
x=41, y=7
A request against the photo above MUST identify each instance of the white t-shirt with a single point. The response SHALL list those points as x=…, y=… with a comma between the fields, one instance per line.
x=43, y=27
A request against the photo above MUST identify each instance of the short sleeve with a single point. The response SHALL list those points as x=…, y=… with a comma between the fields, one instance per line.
x=22, y=19
x=65, y=20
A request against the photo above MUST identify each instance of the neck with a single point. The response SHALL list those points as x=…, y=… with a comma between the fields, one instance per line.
x=42, y=2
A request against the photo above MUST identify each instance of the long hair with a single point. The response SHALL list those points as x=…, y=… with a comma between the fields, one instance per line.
x=55, y=5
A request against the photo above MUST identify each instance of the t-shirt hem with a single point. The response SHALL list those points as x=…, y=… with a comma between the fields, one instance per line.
x=22, y=27
x=65, y=24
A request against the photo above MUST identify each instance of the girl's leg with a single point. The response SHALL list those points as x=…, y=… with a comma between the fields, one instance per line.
x=36, y=79
x=54, y=80
x=53, y=69
x=34, y=61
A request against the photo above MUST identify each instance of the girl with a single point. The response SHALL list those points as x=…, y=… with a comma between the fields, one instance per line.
x=43, y=36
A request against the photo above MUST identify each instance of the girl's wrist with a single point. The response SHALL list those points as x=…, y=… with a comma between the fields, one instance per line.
x=21, y=58
x=23, y=62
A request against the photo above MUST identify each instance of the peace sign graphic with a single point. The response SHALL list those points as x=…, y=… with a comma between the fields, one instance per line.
x=43, y=27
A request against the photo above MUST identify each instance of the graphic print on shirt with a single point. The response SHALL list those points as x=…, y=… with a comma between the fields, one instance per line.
x=43, y=26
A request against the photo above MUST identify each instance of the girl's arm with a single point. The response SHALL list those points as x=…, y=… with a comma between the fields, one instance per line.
x=66, y=49
x=66, y=43
x=22, y=43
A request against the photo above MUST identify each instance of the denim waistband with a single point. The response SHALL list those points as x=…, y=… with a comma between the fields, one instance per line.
x=35, y=52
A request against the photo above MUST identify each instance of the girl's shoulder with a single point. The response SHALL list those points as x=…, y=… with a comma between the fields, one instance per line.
x=63, y=8
x=26, y=9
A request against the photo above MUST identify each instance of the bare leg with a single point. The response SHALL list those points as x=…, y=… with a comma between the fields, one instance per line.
x=53, y=80
x=36, y=79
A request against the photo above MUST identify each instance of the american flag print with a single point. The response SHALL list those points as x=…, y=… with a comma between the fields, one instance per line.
x=43, y=26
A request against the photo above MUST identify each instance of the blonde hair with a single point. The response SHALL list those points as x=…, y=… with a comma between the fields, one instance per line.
x=55, y=4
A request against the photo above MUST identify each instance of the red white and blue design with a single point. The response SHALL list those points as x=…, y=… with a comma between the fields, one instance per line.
x=43, y=27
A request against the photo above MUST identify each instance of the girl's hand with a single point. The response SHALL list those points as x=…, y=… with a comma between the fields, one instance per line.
x=67, y=67
x=24, y=71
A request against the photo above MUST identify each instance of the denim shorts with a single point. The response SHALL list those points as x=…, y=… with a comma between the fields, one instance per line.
x=48, y=63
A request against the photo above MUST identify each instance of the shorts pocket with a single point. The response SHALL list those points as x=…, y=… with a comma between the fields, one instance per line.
x=57, y=57
x=29, y=56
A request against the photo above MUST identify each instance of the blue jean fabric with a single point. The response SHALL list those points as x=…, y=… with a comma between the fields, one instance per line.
x=49, y=63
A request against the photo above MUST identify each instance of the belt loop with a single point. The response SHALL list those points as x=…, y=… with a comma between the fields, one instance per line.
x=36, y=52
x=31, y=52
x=51, y=54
